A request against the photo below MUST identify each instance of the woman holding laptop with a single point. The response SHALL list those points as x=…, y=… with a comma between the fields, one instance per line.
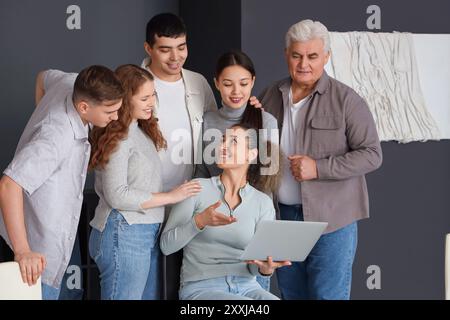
x=214, y=227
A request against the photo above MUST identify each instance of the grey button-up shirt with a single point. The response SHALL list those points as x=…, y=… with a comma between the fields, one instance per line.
x=50, y=165
x=338, y=131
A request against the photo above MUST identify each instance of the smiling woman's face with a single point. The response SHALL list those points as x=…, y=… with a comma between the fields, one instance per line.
x=235, y=84
x=143, y=102
x=234, y=150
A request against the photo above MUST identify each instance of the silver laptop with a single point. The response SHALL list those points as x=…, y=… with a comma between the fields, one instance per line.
x=283, y=240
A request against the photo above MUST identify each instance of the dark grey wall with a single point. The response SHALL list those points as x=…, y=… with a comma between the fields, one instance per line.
x=214, y=27
x=34, y=37
x=410, y=203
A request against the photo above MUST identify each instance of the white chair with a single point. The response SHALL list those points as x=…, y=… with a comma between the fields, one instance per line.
x=13, y=288
x=447, y=267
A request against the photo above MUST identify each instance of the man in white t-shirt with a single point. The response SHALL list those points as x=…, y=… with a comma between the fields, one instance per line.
x=183, y=97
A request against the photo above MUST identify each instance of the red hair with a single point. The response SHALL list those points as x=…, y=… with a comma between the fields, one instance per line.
x=104, y=141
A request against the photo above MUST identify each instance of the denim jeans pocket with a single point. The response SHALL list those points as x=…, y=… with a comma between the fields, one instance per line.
x=120, y=220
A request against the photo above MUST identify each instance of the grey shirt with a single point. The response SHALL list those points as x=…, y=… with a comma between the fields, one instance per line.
x=221, y=120
x=132, y=174
x=338, y=131
x=214, y=251
x=50, y=165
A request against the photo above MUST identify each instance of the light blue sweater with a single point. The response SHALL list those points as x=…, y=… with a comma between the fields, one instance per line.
x=214, y=251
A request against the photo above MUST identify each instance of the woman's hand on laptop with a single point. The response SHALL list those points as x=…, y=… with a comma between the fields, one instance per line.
x=266, y=268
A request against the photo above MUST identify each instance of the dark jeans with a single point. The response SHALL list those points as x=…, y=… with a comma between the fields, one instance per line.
x=66, y=291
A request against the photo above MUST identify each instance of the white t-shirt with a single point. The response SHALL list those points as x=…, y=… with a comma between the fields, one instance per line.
x=290, y=192
x=175, y=125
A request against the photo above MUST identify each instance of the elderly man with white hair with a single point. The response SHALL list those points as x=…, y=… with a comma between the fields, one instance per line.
x=329, y=137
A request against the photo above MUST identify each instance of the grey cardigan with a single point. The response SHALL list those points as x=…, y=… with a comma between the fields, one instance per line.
x=132, y=174
x=338, y=131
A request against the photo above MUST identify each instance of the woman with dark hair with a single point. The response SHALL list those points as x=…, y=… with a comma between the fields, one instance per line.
x=234, y=78
x=214, y=227
x=123, y=241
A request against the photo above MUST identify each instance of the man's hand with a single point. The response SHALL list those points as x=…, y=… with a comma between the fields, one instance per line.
x=11, y=204
x=303, y=168
x=269, y=266
x=211, y=217
x=31, y=265
x=255, y=102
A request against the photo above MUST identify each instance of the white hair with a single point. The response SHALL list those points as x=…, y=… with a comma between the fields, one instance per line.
x=306, y=30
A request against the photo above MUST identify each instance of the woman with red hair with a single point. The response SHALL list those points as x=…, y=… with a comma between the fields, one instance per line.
x=123, y=241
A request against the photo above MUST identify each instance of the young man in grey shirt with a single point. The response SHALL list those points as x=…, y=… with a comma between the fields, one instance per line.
x=41, y=191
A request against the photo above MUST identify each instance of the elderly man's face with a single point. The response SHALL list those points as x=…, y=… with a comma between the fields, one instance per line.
x=306, y=61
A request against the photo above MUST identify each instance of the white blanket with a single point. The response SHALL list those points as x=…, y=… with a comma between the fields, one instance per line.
x=433, y=61
x=382, y=68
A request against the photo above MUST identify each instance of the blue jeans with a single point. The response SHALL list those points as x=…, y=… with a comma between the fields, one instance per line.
x=326, y=274
x=49, y=292
x=264, y=282
x=128, y=259
x=225, y=288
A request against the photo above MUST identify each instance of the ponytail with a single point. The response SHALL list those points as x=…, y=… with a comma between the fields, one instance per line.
x=252, y=117
x=265, y=172
x=266, y=177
